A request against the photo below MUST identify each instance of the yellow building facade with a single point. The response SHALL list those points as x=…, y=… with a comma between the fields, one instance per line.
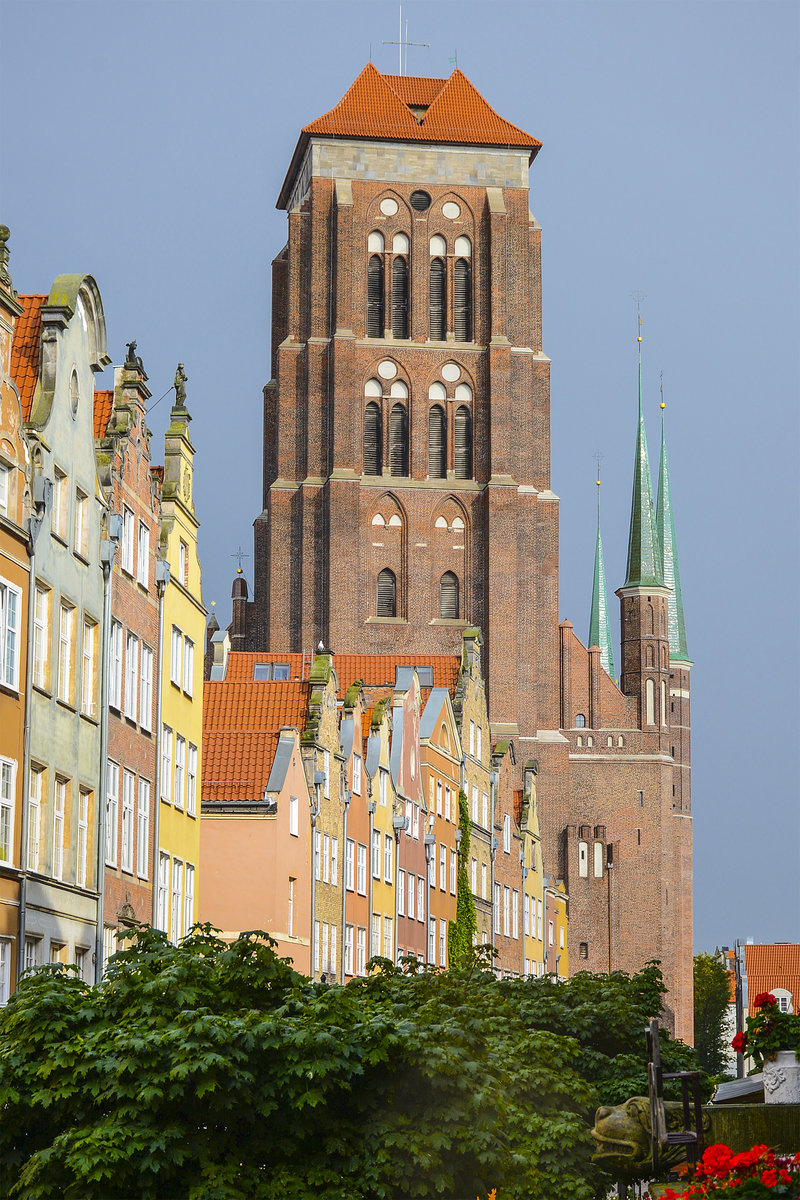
x=183, y=621
x=532, y=877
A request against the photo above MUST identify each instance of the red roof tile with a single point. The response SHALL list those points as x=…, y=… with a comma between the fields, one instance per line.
x=26, y=350
x=377, y=106
x=103, y=404
x=374, y=670
x=242, y=662
x=241, y=724
x=770, y=966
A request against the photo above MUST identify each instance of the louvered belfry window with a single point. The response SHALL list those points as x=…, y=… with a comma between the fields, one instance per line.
x=448, y=596
x=437, y=443
x=463, y=301
x=463, y=442
x=373, y=440
x=375, y=297
x=399, y=298
x=387, y=594
x=398, y=440
x=437, y=305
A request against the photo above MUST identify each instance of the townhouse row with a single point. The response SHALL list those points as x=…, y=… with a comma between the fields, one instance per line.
x=100, y=613
x=347, y=798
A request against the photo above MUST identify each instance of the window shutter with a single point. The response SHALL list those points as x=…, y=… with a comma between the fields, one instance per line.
x=399, y=298
x=463, y=298
x=398, y=440
x=373, y=448
x=387, y=594
x=437, y=443
x=437, y=279
x=448, y=596
x=463, y=440
x=375, y=297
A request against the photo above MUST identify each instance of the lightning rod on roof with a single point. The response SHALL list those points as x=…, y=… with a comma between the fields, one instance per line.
x=401, y=42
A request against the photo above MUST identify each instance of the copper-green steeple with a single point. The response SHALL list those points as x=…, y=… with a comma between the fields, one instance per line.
x=599, y=627
x=665, y=526
x=644, y=552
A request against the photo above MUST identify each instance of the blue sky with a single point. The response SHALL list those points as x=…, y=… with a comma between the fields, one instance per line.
x=146, y=143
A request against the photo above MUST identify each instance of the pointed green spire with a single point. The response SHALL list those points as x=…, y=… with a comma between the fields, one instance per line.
x=599, y=627
x=665, y=526
x=644, y=553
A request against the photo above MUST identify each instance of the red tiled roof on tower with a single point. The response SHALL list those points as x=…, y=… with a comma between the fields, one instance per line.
x=103, y=404
x=26, y=350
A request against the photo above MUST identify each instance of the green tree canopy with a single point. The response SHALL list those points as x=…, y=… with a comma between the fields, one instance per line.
x=214, y=1070
x=710, y=1005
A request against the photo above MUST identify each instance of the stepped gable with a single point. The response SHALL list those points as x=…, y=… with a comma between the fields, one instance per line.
x=103, y=404
x=26, y=350
x=241, y=725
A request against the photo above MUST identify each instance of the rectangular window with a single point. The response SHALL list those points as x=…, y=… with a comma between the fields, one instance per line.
x=478, y=740
x=191, y=782
x=453, y=870
x=438, y=797
x=549, y=933
x=5, y=970
x=127, y=540
x=131, y=675
x=388, y=858
x=507, y=911
x=143, y=829
x=362, y=869
x=294, y=816
x=474, y=877
x=375, y=940
x=447, y=804
x=326, y=945
x=561, y=937
x=326, y=858
x=335, y=861
x=180, y=770
x=474, y=805
x=115, y=666
x=8, y=773
x=415, y=823
x=5, y=488
x=376, y=854
x=82, y=962
x=515, y=914
x=472, y=738
x=539, y=921
x=175, y=656
x=80, y=542
x=507, y=833
x=83, y=838
x=388, y=946
x=146, y=689
x=484, y=882
x=163, y=893
x=497, y=898
x=66, y=625
x=442, y=868
x=356, y=775
x=183, y=563
x=58, y=520
x=348, y=949
x=526, y=928
x=112, y=807
x=109, y=944
x=432, y=940
x=166, y=763
x=326, y=767
x=361, y=950
x=317, y=855
x=33, y=953
x=442, y=943
x=317, y=934
x=290, y=913
x=41, y=636
x=59, y=812
x=412, y=888
x=598, y=860
x=128, y=792
x=401, y=893
x=88, y=704
x=485, y=810
x=143, y=555
x=177, y=899
x=383, y=777
x=420, y=898
x=332, y=956
x=34, y=818
x=349, y=855
x=188, y=666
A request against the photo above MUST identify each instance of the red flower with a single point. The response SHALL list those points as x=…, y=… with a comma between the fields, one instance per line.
x=764, y=1000
x=769, y=1178
x=739, y=1042
x=784, y=1176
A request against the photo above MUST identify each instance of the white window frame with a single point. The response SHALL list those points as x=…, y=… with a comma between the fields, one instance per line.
x=332, y=956
x=146, y=688
x=83, y=838
x=5, y=970
x=127, y=548
x=356, y=775
x=112, y=810
x=388, y=858
x=515, y=914
x=326, y=767
x=126, y=843
x=143, y=555
x=485, y=810
x=415, y=823
x=317, y=938
x=59, y=823
x=420, y=898
x=375, y=936
x=474, y=876
x=166, y=764
x=179, y=772
x=498, y=895
x=432, y=939
x=88, y=650
x=412, y=891
x=34, y=817
x=163, y=892
x=361, y=950
x=439, y=798
x=8, y=787
x=442, y=943
x=318, y=855
x=349, y=864
x=290, y=907
x=188, y=666
x=58, y=520
x=478, y=741
x=142, y=828
x=335, y=861
x=442, y=867
x=388, y=938
x=183, y=559
x=506, y=911
x=484, y=881
x=80, y=526
x=348, y=949
x=41, y=635
x=326, y=858
x=5, y=487
x=176, y=639
x=376, y=854
x=453, y=871
x=294, y=816
x=66, y=636
x=176, y=906
x=383, y=789
x=191, y=780
x=507, y=833
x=361, y=869
x=401, y=893
x=131, y=675
x=115, y=666
x=474, y=805
x=447, y=795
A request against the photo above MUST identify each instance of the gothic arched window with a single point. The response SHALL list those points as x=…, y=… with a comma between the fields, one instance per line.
x=463, y=301
x=373, y=439
x=437, y=300
x=463, y=442
x=399, y=298
x=398, y=440
x=375, y=297
x=437, y=443
x=387, y=594
x=448, y=596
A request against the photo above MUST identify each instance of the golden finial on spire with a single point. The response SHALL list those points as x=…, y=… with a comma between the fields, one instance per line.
x=598, y=458
x=661, y=377
x=639, y=297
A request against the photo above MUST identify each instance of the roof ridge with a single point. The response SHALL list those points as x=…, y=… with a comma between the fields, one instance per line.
x=350, y=105
x=459, y=79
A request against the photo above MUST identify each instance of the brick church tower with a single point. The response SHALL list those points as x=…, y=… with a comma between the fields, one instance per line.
x=407, y=493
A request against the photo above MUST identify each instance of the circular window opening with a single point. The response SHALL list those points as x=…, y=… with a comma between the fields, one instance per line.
x=451, y=210
x=388, y=207
x=421, y=201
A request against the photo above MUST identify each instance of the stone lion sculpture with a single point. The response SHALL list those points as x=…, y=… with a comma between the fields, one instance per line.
x=622, y=1136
